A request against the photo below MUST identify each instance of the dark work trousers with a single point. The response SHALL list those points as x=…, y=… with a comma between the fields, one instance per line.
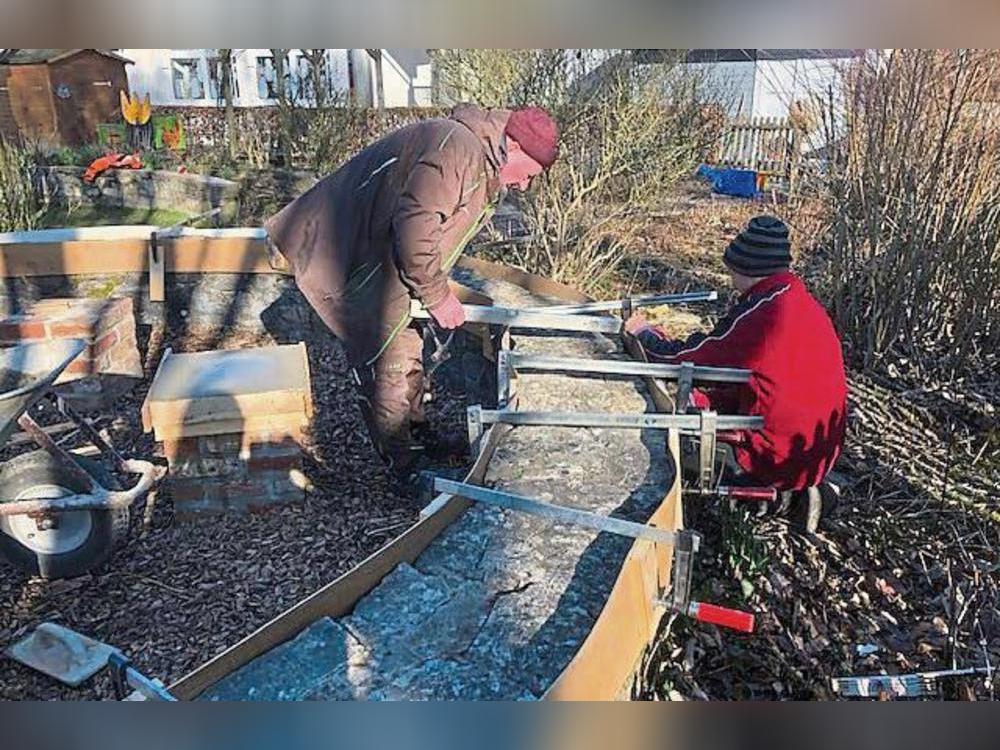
x=392, y=398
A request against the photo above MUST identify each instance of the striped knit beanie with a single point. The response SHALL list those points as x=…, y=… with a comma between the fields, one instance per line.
x=761, y=249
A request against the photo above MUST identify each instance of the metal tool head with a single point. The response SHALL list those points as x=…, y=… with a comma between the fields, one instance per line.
x=61, y=653
x=26, y=373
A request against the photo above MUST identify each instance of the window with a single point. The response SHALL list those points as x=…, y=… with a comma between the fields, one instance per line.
x=267, y=83
x=303, y=82
x=215, y=79
x=187, y=79
x=267, y=87
x=300, y=80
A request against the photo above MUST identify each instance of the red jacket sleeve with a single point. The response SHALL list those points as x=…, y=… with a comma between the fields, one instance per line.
x=735, y=341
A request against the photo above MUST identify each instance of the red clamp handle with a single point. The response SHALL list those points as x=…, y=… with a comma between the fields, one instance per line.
x=767, y=494
x=722, y=616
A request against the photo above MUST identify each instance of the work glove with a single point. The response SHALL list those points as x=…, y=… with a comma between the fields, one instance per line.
x=448, y=313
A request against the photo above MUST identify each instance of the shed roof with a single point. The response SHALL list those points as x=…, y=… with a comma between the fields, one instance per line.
x=47, y=56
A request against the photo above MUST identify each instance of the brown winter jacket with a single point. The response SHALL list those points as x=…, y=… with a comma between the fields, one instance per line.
x=389, y=224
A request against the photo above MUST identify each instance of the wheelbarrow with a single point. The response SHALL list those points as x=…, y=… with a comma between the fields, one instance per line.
x=61, y=513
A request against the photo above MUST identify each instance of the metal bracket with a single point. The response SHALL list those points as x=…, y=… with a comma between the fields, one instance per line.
x=680, y=573
x=157, y=270
x=685, y=382
x=561, y=513
x=524, y=318
x=506, y=376
x=626, y=305
x=474, y=417
x=686, y=423
x=538, y=363
x=680, y=595
x=706, y=464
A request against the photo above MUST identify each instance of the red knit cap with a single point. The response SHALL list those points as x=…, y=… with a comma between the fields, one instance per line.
x=536, y=132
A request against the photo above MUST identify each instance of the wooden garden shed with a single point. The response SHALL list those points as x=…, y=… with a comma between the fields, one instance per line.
x=59, y=95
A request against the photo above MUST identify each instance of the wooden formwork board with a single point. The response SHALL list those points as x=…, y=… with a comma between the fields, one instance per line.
x=112, y=250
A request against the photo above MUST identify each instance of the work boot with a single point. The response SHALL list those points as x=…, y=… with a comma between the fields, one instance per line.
x=445, y=448
x=806, y=508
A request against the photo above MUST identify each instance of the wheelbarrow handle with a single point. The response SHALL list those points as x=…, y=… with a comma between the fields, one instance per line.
x=99, y=498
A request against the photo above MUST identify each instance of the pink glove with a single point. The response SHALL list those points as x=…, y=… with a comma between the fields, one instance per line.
x=448, y=313
x=636, y=324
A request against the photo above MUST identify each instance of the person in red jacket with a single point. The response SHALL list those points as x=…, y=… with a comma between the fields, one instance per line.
x=781, y=333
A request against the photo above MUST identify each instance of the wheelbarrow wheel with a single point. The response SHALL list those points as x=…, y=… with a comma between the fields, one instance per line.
x=80, y=541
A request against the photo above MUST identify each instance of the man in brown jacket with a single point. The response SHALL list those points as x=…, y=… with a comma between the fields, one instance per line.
x=387, y=227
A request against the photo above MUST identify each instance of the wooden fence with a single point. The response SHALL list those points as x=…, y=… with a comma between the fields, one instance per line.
x=767, y=145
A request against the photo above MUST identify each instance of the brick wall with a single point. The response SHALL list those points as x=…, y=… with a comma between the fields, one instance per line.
x=234, y=472
x=107, y=325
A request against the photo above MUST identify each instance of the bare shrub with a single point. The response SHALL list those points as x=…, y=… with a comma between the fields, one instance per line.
x=914, y=243
x=18, y=206
x=628, y=133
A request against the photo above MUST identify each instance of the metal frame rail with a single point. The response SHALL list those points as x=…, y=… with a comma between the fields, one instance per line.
x=684, y=544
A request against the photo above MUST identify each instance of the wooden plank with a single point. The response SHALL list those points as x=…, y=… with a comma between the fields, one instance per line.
x=308, y=372
x=272, y=425
x=192, y=251
x=210, y=254
x=157, y=270
x=83, y=258
x=529, y=281
x=293, y=404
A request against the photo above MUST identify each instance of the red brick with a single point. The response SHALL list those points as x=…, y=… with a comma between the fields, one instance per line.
x=79, y=366
x=104, y=343
x=174, y=449
x=263, y=463
x=73, y=329
x=122, y=359
x=205, y=467
x=116, y=311
x=20, y=329
x=226, y=444
x=185, y=490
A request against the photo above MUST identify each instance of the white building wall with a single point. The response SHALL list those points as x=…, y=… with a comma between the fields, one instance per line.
x=728, y=84
x=154, y=72
x=396, y=82
x=781, y=83
x=407, y=78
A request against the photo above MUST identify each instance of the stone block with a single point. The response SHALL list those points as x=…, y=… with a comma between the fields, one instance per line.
x=316, y=659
